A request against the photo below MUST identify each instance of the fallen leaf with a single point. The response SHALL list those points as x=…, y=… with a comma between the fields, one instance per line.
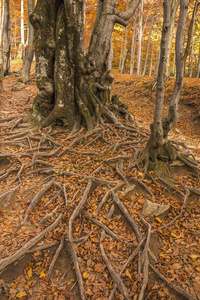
x=181, y=277
x=42, y=274
x=128, y=273
x=197, y=287
x=67, y=293
x=176, y=266
x=86, y=275
x=197, y=279
x=173, y=235
x=89, y=261
x=158, y=220
x=197, y=269
x=21, y=294
x=193, y=256
x=30, y=272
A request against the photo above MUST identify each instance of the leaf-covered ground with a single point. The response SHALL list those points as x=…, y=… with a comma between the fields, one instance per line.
x=71, y=214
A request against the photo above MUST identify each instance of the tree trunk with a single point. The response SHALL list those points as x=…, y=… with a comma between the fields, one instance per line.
x=147, y=53
x=1, y=45
x=29, y=50
x=6, y=38
x=22, y=22
x=73, y=87
x=198, y=66
x=157, y=62
x=175, y=4
x=121, y=51
x=151, y=61
x=133, y=48
x=124, y=52
x=159, y=146
x=139, y=39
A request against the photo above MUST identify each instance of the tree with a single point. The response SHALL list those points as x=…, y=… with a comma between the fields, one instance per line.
x=6, y=38
x=29, y=49
x=139, y=38
x=73, y=87
x=175, y=4
x=158, y=146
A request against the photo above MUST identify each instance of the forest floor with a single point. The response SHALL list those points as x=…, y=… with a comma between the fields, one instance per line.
x=71, y=211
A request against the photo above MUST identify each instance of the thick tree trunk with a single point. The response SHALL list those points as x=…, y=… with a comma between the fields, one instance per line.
x=159, y=146
x=6, y=38
x=29, y=49
x=73, y=87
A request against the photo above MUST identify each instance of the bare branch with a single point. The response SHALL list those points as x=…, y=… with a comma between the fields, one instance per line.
x=127, y=14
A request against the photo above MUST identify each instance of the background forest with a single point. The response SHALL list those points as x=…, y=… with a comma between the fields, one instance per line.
x=136, y=47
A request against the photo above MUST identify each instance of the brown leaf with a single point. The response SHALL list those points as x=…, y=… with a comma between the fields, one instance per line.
x=197, y=279
x=67, y=293
x=89, y=261
x=197, y=287
x=181, y=277
x=176, y=266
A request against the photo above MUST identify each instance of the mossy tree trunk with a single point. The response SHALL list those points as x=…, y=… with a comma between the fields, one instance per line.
x=158, y=145
x=73, y=86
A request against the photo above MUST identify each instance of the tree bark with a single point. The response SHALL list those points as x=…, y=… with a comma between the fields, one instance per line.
x=6, y=38
x=29, y=49
x=73, y=87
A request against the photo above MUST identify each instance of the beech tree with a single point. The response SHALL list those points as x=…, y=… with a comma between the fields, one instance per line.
x=73, y=86
x=158, y=145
